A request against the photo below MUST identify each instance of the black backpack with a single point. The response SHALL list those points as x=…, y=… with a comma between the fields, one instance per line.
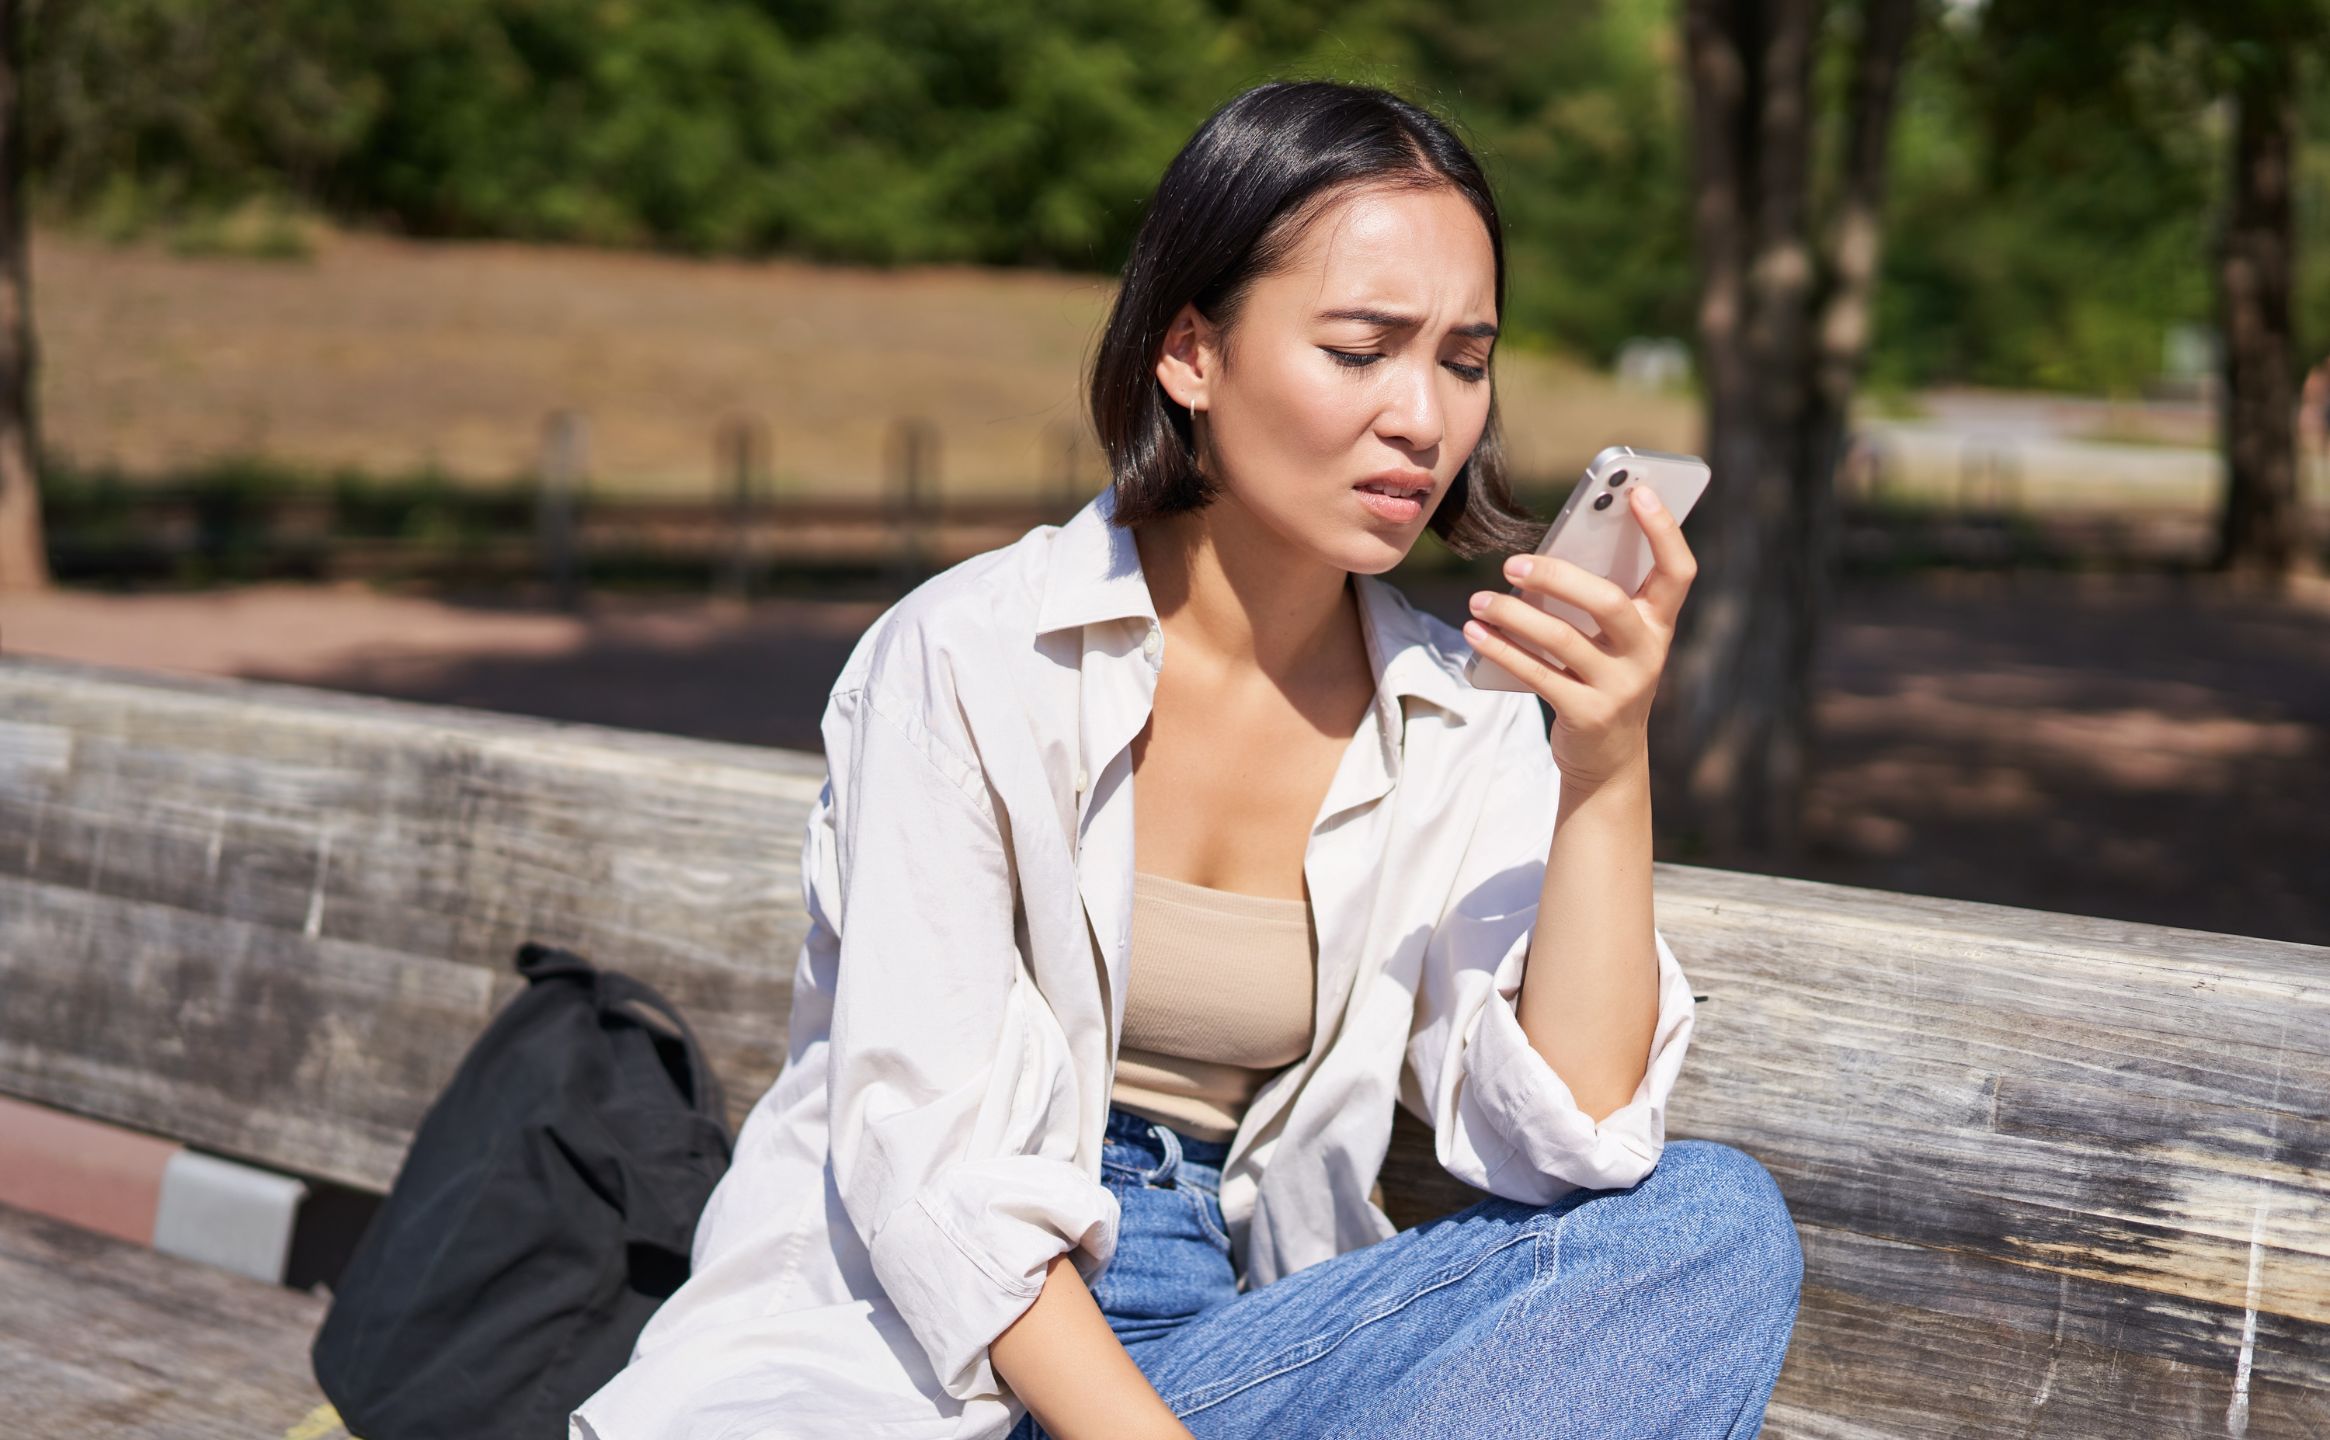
x=546, y=1208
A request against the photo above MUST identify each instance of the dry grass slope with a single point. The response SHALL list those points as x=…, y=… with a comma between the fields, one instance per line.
x=388, y=355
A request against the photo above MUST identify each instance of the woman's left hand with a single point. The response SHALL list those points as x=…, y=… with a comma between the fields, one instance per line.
x=1601, y=701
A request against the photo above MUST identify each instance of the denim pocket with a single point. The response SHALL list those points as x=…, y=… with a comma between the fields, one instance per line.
x=1208, y=1206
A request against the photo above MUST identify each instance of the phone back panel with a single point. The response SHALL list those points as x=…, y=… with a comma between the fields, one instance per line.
x=1608, y=541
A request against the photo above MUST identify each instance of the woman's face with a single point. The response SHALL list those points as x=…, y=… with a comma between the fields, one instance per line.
x=1362, y=360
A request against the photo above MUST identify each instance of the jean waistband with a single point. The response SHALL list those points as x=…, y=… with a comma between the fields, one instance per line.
x=1127, y=1128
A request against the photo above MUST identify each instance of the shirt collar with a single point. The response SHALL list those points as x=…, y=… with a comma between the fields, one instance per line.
x=1094, y=574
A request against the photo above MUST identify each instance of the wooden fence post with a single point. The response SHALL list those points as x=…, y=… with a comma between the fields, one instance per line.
x=1068, y=462
x=554, y=514
x=743, y=448
x=913, y=498
x=1989, y=473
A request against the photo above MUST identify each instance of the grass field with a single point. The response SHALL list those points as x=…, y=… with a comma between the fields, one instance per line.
x=389, y=356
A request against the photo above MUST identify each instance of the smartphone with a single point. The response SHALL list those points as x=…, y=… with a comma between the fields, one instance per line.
x=1597, y=529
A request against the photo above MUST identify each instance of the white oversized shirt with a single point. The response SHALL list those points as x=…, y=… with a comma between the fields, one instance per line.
x=933, y=1140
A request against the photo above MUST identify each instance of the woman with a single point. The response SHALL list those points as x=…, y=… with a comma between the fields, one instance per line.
x=1084, y=1098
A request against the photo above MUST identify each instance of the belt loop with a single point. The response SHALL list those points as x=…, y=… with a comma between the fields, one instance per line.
x=1166, y=1168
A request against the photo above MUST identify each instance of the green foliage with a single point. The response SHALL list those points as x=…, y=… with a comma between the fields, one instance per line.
x=1576, y=111
x=981, y=130
x=882, y=131
x=2036, y=240
x=143, y=106
x=2043, y=232
x=2107, y=127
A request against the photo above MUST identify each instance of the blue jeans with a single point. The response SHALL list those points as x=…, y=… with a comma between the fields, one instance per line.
x=1663, y=1309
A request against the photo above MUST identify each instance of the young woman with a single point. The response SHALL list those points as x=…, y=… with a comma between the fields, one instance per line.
x=1164, y=852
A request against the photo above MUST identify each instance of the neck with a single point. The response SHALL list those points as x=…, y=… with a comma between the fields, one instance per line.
x=1227, y=586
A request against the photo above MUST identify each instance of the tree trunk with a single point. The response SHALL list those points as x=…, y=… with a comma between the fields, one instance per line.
x=1847, y=315
x=23, y=558
x=1783, y=333
x=2260, y=530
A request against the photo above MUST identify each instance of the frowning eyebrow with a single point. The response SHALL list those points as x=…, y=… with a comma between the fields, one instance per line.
x=1482, y=330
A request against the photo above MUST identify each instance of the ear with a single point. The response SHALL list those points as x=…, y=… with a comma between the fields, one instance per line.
x=1189, y=358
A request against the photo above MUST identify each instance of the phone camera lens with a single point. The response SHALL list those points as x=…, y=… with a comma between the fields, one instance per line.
x=1602, y=502
x=1617, y=478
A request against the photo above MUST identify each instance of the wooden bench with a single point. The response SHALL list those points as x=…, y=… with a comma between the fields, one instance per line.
x=2054, y=1175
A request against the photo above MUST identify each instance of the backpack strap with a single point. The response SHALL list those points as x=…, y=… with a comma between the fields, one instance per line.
x=538, y=962
x=641, y=1005
x=620, y=994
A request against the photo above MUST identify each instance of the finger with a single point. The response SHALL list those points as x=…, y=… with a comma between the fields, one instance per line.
x=1673, y=566
x=1559, y=687
x=1518, y=618
x=1622, y=626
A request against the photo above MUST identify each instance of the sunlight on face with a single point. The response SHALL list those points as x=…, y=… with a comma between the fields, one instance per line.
x=1365, y=353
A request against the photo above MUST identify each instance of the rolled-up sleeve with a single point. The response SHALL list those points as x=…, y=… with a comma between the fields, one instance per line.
x=950, y=1089
x=1503, y=1120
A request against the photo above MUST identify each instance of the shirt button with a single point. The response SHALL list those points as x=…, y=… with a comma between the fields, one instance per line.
x=1153, y=643
x=1080, y=780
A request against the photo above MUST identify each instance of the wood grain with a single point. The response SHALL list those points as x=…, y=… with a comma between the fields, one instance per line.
x=2054, y=1175
x=102, y=1338
x=269, y=920
x=2094, y=1155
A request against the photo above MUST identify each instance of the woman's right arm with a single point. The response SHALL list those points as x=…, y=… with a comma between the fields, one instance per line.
x=951, y=1092
x=1069, y=1369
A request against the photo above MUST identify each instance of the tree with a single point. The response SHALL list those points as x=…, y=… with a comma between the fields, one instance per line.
x=2261, y=526
x=23, y=558
x=1783, y=326
x=2247, y=55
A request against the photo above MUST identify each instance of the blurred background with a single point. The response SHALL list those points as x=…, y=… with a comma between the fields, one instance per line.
x=620, y=360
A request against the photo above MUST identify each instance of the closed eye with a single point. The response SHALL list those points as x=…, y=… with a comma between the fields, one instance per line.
x=1360, y=359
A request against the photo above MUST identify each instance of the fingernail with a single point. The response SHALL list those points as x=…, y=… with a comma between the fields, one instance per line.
x=1650, y=500
x=1480, y=602
x=1517, y=568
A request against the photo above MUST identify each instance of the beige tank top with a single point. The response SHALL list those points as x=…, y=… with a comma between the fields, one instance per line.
x=1221, y=994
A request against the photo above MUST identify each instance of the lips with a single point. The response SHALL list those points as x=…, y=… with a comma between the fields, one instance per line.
x=1398, y=487
x=1393, y=502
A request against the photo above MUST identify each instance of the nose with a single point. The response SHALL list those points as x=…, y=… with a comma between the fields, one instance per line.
x=1413, y=414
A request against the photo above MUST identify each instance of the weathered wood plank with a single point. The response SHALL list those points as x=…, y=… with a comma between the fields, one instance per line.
x=2025, y=1123
x=313, y=1055
x=406, y=826
x=1908, y=1340
x=101, y=1338
x=220, y=847
x=2096, y=1156
x=2055, y=1175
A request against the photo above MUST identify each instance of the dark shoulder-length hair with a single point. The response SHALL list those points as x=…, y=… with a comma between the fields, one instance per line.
x=1229, y=210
